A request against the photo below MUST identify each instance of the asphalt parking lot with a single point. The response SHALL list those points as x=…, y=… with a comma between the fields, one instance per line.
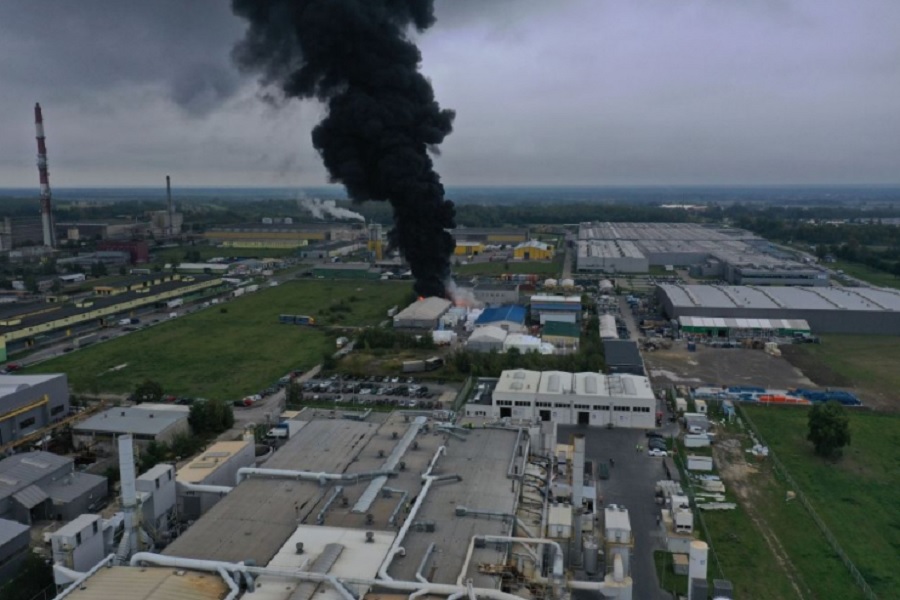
x=632, y=484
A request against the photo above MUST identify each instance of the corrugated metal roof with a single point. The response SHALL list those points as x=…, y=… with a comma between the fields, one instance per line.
x=132, y=583
x=72, y=486
x=513, y=313
x=126, y=419
x=31, y=496
x=10, y=529
x=21, y=470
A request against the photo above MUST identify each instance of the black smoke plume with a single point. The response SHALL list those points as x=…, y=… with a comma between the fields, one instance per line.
x=356, y=56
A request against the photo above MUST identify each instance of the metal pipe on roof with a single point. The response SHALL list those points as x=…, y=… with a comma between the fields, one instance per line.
x=235, y=590
x=337, y=491
x=77, y=583
x=424, y=563
x=400, y=504
x=558, y=565
x=440, y=589
x=404, y=529
x=322, y=478
x=201, y=488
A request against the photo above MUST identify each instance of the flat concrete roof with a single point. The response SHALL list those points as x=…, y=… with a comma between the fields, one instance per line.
x=134, y=583
x=207, y=463
x=518, y=381
x=783, y=297
x=427, y=308
x=128, y=419
x=255, y=519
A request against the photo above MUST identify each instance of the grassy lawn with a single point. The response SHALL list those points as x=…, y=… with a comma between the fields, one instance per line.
x=551, y=268
x=212, y=354
x=866, y=273
x=665, y=573
x=856, y=496
x=866, y=362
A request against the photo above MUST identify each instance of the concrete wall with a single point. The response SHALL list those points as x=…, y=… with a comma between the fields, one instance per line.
x=599, y=413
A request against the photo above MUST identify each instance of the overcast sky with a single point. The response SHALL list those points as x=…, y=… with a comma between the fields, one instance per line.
x=548, y=92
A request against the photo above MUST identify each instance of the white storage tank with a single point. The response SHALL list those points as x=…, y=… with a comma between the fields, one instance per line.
x=567, y=283
x=550, y=283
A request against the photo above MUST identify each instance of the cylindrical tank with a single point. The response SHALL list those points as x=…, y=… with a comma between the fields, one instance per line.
x=567, y=283
x=591, y=555
x=698, y=560
x=550, y=283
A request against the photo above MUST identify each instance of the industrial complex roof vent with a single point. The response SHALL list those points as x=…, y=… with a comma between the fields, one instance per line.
x=370, y=537
x=299, y=547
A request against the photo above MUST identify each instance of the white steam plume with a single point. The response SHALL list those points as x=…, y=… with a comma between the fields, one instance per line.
x=321, y=209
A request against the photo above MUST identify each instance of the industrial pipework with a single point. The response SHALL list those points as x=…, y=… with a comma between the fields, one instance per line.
x=322, y=478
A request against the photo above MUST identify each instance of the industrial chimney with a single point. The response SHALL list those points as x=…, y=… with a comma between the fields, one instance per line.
x=46, y=213
x=170, y=229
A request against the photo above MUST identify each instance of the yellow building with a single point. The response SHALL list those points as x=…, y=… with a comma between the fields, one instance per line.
x=468, y=248
x=533, y=250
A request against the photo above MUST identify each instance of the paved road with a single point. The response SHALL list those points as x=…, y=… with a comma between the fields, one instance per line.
x=632, y=484
x=628, y=317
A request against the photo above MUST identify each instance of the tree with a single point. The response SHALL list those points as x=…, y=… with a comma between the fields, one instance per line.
x=294, y=394
x=148, y=391
x=829, y=429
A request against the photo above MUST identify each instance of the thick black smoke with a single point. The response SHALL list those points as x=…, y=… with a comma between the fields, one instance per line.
x=382, y=121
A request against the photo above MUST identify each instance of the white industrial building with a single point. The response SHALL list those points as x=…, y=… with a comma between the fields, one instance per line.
x=486, y=339
x=620, y=400
x=611, y=256
x=608, y=328
x=146, y=426
x=422, y=314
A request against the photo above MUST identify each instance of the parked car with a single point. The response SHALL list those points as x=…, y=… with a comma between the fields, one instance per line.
x=656, y=452
x=654, y=434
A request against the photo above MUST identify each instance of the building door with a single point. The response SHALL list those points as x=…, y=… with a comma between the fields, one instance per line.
x=545, y=415
x=505, y=412
x=584, y=417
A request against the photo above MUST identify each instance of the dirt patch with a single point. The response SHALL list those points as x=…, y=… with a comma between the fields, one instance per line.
x=813, y=368
x=721, y=366
x=736, y=472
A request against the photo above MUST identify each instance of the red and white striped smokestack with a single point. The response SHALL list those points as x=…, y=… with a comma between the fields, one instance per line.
x=46, y=212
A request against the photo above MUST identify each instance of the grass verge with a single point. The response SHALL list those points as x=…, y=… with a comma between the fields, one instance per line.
x=216, y=354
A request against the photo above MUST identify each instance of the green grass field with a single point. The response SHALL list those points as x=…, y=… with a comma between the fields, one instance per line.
x=866, y=362
x=856, y=496
x=551, y=269
x=212, y=354
x=866, y=273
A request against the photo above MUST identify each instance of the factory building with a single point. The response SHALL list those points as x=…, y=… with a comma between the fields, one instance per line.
x=102, y=429
x=467, y=248
x=422, y=314
x=608, y=328
x=623, y=356
x=284, y=235
x=716, y=327
x=533, y=250
x=329, y=250
x=216, y=466
x=109, y=258
x=733, y=255
x=497, y=293
x=611, y=256
x=31, y=326
x=546, y=308
x=39, y=485
x=487, y=339
x=508, y=318
x=564, y=336
x=138, y=251
x=826, y=310
x=620, y=400
x=490, y=236
x=29, y=403
x=15, y=538
x=81, y=543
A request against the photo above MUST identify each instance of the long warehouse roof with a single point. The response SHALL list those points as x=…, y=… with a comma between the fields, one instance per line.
x=783, y=297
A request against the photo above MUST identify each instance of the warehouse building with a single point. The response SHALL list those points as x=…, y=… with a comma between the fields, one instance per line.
x=14, y=542
x=733, y=255
x=216, y=466
x=468, y=248
x=497, y=293
x=564, y=336
x=490, y=236
x=29, y=403
x=609, y=330
x=611, y=256
x=717, y=327
x=620, y=400
x=284, y=235
x=546, y=308
x=623, y=356
x=102, y=429
x=39, y=485
x=533, y=250
x=422, y=314
x=330, y=249
x=826, y=310
x=486, y=339
x=508, y=318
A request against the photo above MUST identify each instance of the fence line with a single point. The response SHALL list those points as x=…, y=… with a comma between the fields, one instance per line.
x=832, y=541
